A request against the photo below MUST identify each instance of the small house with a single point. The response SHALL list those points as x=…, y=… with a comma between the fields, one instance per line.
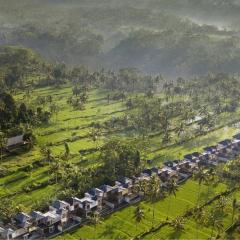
x=11, y=231
x=192, y=157
x=84, y=206
x=224, y=146
x=15, y=141
x=51, y=223
x=237, y=136
x=97, y=195
x=62, y=209
x=236, y=146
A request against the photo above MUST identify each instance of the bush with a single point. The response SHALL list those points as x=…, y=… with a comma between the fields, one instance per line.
x=34, y=186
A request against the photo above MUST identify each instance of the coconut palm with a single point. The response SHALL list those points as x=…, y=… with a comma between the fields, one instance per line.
x=7, y=210
x=54, y=109
x=56, y=169
x=200, y=215
x=235, y=205
x=210, y=179
x=49, y=158
x=143, y=187
x=67, y=150
x=154, y=193
x=94, y=220
x=95, y=134
x=218, y=226
x=2, y=144
x=172, y=189
x=138, y=215
x=201, y=176
x=222, y=203
x=178, y=224
x=47, y=153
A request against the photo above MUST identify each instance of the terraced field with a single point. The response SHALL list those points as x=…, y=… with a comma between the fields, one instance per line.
x=74, y=127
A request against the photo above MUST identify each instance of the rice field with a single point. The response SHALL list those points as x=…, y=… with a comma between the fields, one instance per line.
x=74, y=126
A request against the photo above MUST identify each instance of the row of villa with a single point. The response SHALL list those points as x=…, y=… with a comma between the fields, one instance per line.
x=63, y=215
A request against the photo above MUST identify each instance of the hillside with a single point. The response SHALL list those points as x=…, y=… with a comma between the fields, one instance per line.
x=119, y=119
x=157, y=37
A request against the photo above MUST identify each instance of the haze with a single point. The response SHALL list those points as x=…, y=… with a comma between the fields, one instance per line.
x=175, y=38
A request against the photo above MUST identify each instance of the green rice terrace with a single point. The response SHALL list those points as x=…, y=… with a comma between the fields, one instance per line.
x=83, y=129
x=75, y=128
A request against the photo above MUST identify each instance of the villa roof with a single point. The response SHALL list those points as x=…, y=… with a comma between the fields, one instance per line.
x=36, y=215
x=14, y=140
x=125, y=180
x=225, y=142
x=58, y=204
x=236, y=140
x=188, y=156
x=51, y=215
x=196, y=154
x=2, y=230
x=95, y=192
x=237, y=136
x=210, y=149
x=106, y=188
x=22, y=217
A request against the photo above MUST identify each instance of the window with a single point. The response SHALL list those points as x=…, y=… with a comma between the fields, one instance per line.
x=49, y=222
x=25, y=237
x=10, y=236
x=51, y=229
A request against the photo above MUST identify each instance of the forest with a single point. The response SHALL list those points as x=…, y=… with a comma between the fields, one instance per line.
x=157, y=37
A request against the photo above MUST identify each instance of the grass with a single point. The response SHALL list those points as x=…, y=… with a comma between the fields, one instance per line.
x=68, y=124
x=177, y=151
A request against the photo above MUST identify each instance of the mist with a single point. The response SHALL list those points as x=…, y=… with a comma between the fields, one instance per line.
x=179, y=38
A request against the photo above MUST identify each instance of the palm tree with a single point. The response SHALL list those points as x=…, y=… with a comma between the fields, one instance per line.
x=7, y=210
x=95, y=134
x=218, y=225
x=222, y=203
x=138, y=215
x=178, y=224
x=48, y=156
x=200, y=215
x=54, y=109
x=201, y=176
x=95, y=219
x=210, y=179
x=172, y=189
x=30, y=143
x=154, y=193
x=56, y=169
x=234, y=208
x=67, y=150
x=2, y=144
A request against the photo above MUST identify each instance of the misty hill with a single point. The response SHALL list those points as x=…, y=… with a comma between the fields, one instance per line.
x=172, y=37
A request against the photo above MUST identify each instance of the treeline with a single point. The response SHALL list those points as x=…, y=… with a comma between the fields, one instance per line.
x=13, y=116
